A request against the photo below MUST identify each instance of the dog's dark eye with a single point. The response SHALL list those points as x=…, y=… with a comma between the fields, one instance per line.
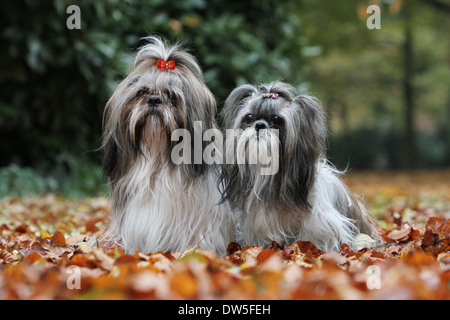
x=277, y=120
x=249, y=118
x=172, y=97
x=141, y=92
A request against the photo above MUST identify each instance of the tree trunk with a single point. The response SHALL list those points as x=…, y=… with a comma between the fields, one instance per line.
x=408, y=89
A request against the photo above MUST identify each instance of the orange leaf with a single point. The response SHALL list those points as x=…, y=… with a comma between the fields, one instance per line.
x=264, y=255
x=58, y=239
x=125, y=259
x=90, y=225
x=33, y=257
x=184, y=284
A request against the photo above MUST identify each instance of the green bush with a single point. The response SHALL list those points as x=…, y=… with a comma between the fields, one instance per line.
x=23, y=181
x=83, y=179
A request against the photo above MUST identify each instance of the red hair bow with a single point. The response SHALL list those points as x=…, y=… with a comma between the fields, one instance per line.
x=163, y=66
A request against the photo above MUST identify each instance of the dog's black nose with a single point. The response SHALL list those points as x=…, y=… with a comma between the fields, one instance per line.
x=153, y=101
x=260, y=125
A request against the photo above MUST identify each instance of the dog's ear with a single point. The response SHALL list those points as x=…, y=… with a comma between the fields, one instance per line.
x=314, y=123
x=234, y=102
x=110, y=158
x=110, y=144
x=117, y=158
x=304, y=145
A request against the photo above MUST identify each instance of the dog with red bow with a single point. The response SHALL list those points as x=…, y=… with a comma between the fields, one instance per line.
x=158, y=203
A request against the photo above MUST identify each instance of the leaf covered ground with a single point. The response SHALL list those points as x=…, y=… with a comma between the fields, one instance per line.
x=50, y=249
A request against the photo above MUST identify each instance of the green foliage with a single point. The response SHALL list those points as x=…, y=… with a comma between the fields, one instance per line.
x=56, y=82
x=23, y=181
x=78, y=180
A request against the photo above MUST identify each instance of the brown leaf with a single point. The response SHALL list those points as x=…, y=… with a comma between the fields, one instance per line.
x=306, y=246
x=276, y=246
x=58, y=239
x=125, y=259
x=84, y=247
x=440, y=226
x=90, y=225
x=249, y=253
x=74, y=240
x=402, y=234
x=264, y=255
x=7, y=257
x=232, y=248
x=106, y=261
x=333, y=258
x=430, y=239
x=21, y=228
x=88, y=260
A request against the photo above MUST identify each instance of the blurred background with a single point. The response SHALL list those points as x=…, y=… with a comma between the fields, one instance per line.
x=386, y=91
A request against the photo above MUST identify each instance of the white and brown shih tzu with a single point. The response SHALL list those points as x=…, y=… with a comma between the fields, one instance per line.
x=158, y=203
x=301, y=197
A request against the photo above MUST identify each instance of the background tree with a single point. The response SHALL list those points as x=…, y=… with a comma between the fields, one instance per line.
x=385, y=90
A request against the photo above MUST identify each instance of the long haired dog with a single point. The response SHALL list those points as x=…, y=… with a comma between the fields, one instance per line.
x=291, y=193
x=158, y=203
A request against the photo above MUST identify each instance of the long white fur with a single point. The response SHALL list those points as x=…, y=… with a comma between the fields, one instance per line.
x=323, y=225
x=165, y=215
